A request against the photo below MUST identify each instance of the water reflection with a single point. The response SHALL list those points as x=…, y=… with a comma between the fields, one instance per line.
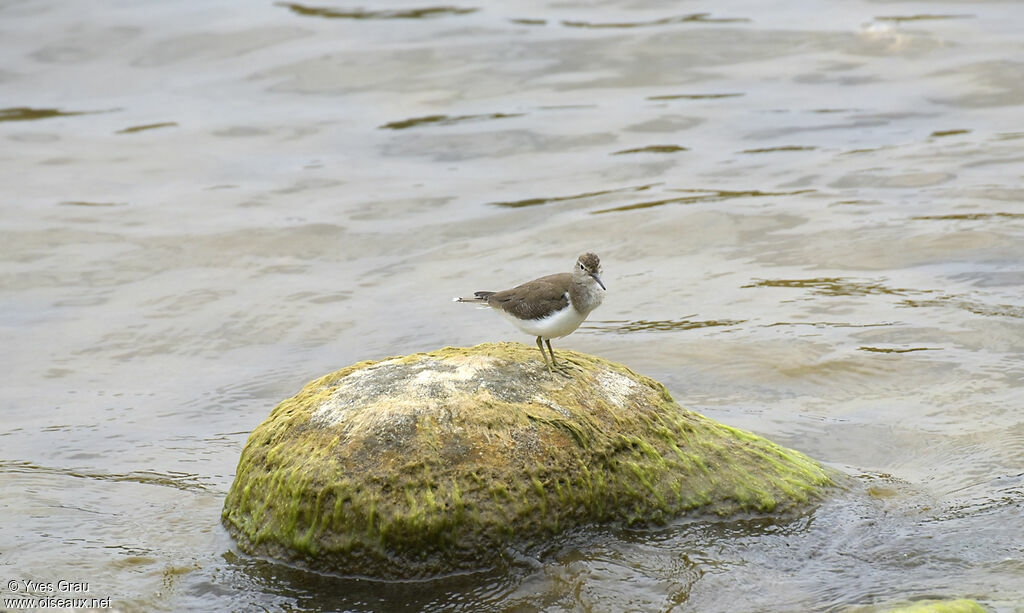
x=968, y=216
x=643, y=325
x=694, y=96
x=178, y=480
x=444, y=120
x=702, y=195
x=653, y=149
x=835, y=286
x=663, y=21
x=897, y=350
x=84, y=203
x=25, y=113
x=971, y=306
x=148, y=126
x=778, y=149
x=515, y=204
x=472, y=591
x=417, y=13
x=922, y=17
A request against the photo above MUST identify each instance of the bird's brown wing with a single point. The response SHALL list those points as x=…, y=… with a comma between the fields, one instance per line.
x=535, y=299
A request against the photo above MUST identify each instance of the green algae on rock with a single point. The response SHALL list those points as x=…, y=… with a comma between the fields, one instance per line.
x=941, y=606
x=437, y=462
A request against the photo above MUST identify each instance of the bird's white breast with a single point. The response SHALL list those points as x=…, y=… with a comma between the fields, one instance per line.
x=558, y=324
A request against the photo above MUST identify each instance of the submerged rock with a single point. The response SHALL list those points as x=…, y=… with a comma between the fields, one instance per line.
x=941, y=606
x=436, y=462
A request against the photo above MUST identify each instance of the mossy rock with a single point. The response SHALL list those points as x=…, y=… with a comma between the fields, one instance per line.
x=437, y=462
x=941, y=606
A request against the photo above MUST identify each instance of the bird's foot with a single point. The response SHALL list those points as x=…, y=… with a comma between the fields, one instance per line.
x=560, y=368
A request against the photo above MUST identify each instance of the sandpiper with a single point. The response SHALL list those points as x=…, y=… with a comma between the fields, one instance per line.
x=552, y=306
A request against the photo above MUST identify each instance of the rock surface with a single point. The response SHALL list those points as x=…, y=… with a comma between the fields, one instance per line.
x=437, y=462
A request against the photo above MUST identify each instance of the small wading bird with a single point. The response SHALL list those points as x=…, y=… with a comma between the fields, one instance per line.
x=552, y=306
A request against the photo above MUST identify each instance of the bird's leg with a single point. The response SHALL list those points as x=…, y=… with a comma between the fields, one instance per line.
x=561, y=369
x=543, y=355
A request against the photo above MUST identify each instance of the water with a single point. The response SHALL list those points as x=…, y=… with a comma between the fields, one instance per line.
x=811, y=222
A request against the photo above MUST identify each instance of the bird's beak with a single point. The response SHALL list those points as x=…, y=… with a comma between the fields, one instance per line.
x=598, y=279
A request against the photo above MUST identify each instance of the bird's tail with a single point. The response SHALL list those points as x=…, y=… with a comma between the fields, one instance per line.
x=478, y=298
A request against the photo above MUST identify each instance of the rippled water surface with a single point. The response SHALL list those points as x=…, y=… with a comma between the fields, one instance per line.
x=811, y=218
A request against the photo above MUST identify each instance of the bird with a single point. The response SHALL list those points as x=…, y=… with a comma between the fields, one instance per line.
x=552, y=306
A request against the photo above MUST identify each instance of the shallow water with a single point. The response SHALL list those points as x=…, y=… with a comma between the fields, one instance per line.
x=811, y=225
